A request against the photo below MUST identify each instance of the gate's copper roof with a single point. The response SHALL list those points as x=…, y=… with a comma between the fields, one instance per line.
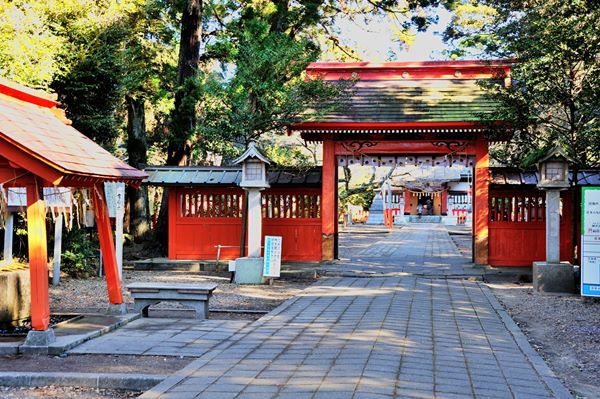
x=407, y=101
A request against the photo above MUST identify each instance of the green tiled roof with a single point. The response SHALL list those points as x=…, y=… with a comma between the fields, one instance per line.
x=458, y=100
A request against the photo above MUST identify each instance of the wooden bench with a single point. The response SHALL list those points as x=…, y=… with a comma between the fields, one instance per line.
x=193, y=295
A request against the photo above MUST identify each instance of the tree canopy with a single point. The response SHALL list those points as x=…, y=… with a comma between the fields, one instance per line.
x=555, y=91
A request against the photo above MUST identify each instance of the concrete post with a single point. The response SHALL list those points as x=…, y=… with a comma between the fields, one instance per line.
x=254, y=223
x=552, y=226
x=8, y=238
x=58, y=227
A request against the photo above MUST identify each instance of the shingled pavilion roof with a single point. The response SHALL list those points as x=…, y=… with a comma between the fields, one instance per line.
x=33, y=132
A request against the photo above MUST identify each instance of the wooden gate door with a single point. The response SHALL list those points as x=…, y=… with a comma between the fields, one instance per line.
x=202, y=218
x=517, y=227
x=294, y=214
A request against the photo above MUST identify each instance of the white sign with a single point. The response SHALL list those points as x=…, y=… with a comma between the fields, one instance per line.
x=590, y=241
x=272, y=266
x=115, y=198
x=54, y=197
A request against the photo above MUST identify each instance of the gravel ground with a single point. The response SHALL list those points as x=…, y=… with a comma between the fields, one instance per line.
x=73, y=295
x=52, y=392
x=564, y=329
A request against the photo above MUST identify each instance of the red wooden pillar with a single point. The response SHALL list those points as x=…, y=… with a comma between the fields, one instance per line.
x=481, y=203
x=445, y=202
x=107, y=246
x=406, y=202
x=328, y=202
x=38, y=257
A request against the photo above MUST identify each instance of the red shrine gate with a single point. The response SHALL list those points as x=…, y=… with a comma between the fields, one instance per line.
x=424, y=108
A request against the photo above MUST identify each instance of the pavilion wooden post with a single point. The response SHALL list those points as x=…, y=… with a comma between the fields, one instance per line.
x=328, y=201
x=481, y=203
x=406, y=202
x=444, y=206
x=38, y=257
x=107, y=246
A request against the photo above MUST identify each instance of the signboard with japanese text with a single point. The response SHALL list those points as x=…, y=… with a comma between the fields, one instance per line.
x=590, y=241
x=272, y=265
x=115, y=198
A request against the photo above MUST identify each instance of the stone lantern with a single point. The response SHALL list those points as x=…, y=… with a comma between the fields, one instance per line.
x=248, y=270
x=554, y=171
x=552, y=275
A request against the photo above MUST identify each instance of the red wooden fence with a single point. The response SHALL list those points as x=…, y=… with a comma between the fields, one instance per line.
x=200, y=219
x=296, y=216
x=517, y=227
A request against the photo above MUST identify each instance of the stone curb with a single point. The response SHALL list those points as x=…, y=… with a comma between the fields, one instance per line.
x=181, y=374
x=538, y=363
x=133, y=382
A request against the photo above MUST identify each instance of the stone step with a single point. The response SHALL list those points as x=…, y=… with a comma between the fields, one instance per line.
x=425, y=219
x=375, y=218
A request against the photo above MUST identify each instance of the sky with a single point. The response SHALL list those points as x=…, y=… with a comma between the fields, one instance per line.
x=374, y=41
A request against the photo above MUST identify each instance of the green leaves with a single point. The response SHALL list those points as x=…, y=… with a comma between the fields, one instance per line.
x=555, y=87
x=261, y=89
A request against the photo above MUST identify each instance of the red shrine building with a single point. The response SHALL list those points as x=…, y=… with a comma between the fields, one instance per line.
x=399, y=114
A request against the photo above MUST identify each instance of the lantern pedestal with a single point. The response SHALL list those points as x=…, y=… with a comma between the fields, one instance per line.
x=249, y=271
x=553, y=277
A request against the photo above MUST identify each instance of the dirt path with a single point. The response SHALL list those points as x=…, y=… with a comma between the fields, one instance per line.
x=90, y=294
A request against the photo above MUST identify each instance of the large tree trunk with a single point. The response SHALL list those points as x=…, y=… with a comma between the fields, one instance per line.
x=137, y=150
x=183, y=117
x=183, y=122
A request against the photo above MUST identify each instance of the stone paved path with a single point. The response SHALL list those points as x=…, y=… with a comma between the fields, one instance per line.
x=161, y=336
x=402, y=336
x=423, y=249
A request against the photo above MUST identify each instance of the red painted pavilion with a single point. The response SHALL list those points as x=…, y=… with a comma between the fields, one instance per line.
x=39, y=149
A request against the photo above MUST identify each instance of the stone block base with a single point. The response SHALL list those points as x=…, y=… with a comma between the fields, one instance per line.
x=327, y=247
x=553, y=277
x=117, y=309
x=15, y=297
x=249, y=271
x=37, y=342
